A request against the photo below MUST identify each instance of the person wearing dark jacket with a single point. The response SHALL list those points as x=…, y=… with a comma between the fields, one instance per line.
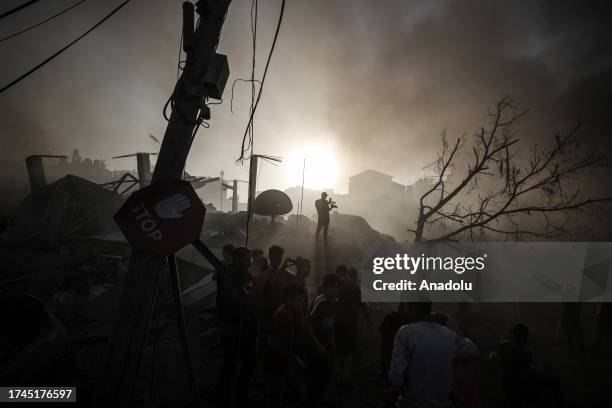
x=322, y=316
x=524, y=382
x=323, y=206
x=284, y=362
x=238, y=327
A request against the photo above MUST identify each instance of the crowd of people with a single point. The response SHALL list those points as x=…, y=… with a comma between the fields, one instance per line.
x=303, y=336
x=269, y=315
x=431, y=363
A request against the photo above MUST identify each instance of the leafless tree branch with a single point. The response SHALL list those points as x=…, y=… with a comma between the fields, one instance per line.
x=519, y=187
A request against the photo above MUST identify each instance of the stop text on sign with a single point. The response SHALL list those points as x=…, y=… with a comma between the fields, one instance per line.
x=162, y=218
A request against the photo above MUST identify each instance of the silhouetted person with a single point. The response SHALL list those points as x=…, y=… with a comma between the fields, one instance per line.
x=323, y=311
x=465, y=392
x=423, y=357
x=284, y=362
x=323, y=206
x=275, y=256
x=322, y=320
x=278, y=277
x=346, y=327
x=342, y=271
x=524, y=382
x=227, y=252
x=388, y=329
x=303, y=269
x=259, y=272
x=256, y=253
x=238, y=331
x=347, y=314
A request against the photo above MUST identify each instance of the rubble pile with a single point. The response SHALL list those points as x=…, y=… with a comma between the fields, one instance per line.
x=64, y=266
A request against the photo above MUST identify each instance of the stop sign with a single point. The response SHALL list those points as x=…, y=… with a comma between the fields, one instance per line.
x=162, y=218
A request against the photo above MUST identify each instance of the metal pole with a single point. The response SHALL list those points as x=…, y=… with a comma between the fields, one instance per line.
x=221, y=195
x=235, y=197
x=182, y=327
x=251, y=198
x=143, y=165
x=36, y=172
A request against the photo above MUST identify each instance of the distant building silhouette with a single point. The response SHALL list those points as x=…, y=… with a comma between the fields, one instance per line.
x=372, y=182
x=90, y=169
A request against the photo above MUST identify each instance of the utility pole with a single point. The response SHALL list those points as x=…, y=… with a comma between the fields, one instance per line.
x=254, y=160
x=36, y=170
x=234, y=188
x=235, y=197
x=252, y=192
x=118, y=378
x=143, y=166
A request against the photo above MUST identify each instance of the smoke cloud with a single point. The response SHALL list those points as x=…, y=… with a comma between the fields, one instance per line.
x=377, y=80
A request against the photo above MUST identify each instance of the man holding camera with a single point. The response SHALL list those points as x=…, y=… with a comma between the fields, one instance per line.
x=324, y=206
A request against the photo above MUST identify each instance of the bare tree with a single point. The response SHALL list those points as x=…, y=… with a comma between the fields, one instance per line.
x=535, y=185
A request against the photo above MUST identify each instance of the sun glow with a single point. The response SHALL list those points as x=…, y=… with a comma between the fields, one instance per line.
x=321, y=166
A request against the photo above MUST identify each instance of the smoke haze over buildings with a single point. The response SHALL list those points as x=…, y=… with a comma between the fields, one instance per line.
x=376, y=82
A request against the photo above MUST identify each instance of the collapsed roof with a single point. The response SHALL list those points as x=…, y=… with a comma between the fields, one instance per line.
x=68, y=206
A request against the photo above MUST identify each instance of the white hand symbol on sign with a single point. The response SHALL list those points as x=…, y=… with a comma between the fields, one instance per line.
x=172, y=207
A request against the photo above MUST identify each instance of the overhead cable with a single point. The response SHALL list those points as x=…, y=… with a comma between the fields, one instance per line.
x=57, y=53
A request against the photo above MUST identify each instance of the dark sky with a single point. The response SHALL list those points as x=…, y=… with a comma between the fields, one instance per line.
x=362, y=84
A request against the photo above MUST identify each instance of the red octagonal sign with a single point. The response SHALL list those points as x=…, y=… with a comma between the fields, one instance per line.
x=162, y=218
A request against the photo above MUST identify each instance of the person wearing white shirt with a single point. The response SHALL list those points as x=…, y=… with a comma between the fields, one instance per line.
x=423, y=356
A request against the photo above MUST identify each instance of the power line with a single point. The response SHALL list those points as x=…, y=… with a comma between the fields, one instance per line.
x=234, y=84
x=178, y=62
x=254, y=33
x=16, y=9
x=263, y=79
x=42, y=64
x=245, y=147
x=42, y=22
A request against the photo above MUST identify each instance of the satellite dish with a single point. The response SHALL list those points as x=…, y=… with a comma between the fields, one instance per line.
x=272, y=203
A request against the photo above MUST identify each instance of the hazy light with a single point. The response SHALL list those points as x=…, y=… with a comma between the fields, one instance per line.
x=322, y=166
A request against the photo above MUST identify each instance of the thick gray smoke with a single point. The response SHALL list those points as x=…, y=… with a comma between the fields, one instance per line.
x=381, y=79
x=402, y=72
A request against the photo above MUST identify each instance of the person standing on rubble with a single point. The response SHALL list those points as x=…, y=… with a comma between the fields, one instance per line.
x=238, y=328
x=323, y=206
